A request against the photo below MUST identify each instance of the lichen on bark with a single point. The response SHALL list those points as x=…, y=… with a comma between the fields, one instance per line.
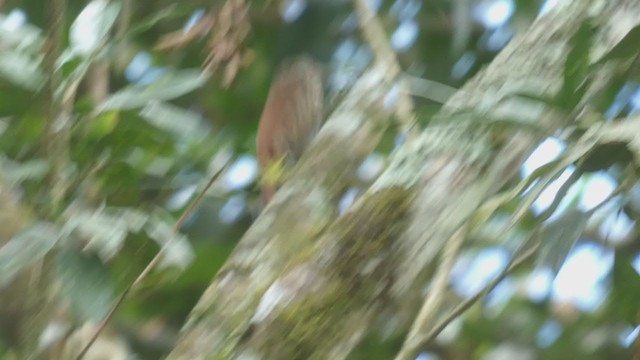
x=347, y=276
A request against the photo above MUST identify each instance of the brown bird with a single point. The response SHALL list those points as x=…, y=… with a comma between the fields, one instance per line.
x=290, y=119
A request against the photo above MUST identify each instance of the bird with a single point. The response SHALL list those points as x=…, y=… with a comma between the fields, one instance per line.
x=290, y=119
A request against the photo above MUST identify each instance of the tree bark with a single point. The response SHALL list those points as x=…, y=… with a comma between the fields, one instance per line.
x=307, y=283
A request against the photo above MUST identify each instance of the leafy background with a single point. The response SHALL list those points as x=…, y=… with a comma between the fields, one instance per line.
x=149, y=128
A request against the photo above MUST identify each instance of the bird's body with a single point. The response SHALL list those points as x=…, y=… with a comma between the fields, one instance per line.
x=291, y=117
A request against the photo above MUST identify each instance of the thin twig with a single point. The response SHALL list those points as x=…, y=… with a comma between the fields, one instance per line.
x=416, y=342
x=374, y=34
x=124, y=19
x=465, y=305
x=429, y=89
x=420, y=343
x=152, y=263
x=57, y=135
x=54, y=144
x=433, y=303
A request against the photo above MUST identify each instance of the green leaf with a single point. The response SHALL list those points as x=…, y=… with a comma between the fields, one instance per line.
x=104, y=229
x=171, y=11
x=181, y=122
x=26, y=248
x=625, y=289
x=16, y=172
x=623, y=131
x=538, y=98
x=104, y=124
x=21, y=69
x=85, y=283
x=626, y=48
x=558, y=237
x=532, y=194
x=605, y=155
x=576, y=66
x=26, y=38
x=548, y=171
x=169, y=86
x=538, y=181
x=177, y=250
x=90, y=29
x=552, y=171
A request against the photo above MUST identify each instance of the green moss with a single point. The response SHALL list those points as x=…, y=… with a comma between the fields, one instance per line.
x=308, y=328
x=371, y=229
x=302, y=327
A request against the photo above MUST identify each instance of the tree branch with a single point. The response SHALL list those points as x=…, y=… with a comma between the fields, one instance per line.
x=303, y=285
x=432, y=305
x=374, y=34
x=57, y=133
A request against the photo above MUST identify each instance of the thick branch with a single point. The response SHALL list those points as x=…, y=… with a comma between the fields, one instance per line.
x=301, y=285
x=289, y=227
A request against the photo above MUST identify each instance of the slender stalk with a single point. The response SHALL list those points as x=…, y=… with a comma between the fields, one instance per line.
x=145, y=272
x=57, y=133
x=432, y=305
x=373, y=32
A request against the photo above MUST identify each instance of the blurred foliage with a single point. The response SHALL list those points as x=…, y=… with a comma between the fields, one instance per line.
x=141, y=150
